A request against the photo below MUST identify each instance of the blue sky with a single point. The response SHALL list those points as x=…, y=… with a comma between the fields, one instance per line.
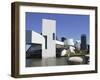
x=67, y=25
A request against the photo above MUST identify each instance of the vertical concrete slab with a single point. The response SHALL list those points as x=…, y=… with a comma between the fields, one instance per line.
x=49, y=32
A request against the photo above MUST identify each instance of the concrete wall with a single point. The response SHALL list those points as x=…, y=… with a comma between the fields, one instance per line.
x=34, y=37
x=48, y=28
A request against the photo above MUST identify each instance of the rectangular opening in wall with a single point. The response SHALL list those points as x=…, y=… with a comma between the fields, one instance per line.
x=53, y=36
x=45, y=42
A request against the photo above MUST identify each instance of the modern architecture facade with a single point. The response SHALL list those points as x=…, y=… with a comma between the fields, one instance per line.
x=49, y=33
x=47, y=39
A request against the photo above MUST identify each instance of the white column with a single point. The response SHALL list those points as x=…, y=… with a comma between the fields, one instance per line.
x=49, y=30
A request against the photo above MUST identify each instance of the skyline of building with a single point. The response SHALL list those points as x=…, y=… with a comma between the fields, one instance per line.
x=83, y=42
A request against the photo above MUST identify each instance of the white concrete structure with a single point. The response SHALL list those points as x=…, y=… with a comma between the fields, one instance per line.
x=59, y=42
x=48, y=39
x=49, y=32
x=34, y=37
